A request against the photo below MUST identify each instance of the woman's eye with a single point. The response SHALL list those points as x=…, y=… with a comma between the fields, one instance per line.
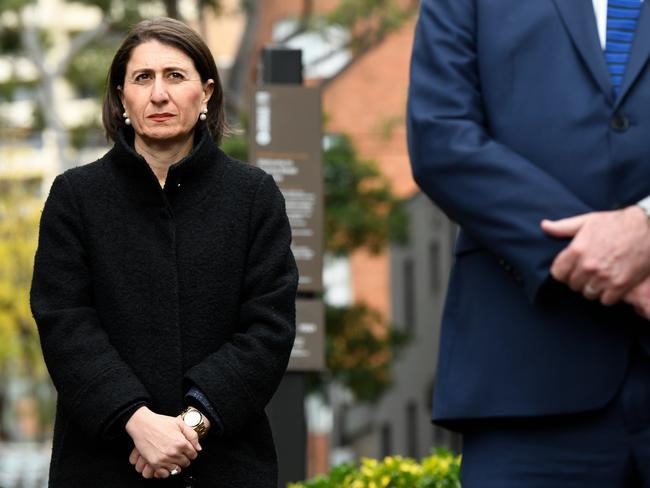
x=176, y=76
x=142, y=77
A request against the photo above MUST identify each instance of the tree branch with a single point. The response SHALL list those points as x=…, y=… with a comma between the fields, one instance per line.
x=30, y=41
x=80, y=41
x=236, y=82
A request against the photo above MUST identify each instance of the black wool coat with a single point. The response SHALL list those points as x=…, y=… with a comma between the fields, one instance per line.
x=140, y=293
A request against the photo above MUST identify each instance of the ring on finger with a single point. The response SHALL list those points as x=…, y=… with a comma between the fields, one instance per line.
x=590, y=292
x=175, y=471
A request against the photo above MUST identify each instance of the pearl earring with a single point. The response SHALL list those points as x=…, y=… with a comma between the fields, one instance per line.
x=204, y=114
x=127, y=120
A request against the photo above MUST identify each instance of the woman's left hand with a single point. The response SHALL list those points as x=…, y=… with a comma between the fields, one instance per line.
x=145, y=468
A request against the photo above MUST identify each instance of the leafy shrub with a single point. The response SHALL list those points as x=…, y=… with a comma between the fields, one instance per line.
x=440, y=470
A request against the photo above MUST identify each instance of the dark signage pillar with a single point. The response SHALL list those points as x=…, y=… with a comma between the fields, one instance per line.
x=286, y=141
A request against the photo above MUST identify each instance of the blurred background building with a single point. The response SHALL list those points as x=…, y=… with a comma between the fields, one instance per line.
x=389, y=248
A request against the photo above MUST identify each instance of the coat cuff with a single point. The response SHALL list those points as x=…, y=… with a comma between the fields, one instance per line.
x=196, y=398
x=117, y=426
x=112, y=393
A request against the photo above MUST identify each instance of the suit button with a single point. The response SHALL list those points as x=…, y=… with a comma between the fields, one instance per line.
x=189, y=482
x=619, y=122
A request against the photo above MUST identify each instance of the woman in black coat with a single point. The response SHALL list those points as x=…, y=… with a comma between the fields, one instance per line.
x=164, y=286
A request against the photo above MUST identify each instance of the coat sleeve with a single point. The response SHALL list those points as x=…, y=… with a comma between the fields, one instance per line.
x=94, y=384
x=497, y=196
x=240, y=378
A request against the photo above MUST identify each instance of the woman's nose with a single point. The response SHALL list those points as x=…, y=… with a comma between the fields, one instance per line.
x=159, y=91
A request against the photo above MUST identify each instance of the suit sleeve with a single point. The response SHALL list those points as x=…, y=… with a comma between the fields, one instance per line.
x=94, y=384
x=240, y=378
x=497, y=196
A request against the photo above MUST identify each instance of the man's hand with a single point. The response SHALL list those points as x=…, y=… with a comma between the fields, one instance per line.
x=609, y=253
x=162, y=443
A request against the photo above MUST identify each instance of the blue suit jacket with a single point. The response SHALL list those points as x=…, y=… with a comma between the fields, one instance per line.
x=511, y=119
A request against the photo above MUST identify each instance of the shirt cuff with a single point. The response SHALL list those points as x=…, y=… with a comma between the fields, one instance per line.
x=196, y=398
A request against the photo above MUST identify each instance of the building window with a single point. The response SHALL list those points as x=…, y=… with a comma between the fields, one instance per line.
x=434, y=266
x=409, y=295
x=386, y=440
x=412, y=430
x=337, y=280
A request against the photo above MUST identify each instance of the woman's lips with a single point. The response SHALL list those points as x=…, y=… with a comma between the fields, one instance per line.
x=160, y=117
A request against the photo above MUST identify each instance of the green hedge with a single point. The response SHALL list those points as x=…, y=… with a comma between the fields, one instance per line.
x=440, y=470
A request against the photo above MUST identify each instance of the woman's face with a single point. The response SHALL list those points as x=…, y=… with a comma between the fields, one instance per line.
x=162, y=93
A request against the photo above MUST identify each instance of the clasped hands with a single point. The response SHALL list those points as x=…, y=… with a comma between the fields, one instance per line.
x=608, y=258
x=162, y=443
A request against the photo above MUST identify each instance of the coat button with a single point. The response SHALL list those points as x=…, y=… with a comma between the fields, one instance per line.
x=189, y=482
x=619, y=122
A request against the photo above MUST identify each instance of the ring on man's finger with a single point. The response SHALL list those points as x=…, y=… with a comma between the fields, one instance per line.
x=175, y=471
x=590, y=292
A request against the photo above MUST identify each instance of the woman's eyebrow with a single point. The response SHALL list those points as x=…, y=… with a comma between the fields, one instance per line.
x=175, y=68
x=166, y=69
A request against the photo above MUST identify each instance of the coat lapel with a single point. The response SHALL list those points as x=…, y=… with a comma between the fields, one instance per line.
x=580, y=21
x=640, y=51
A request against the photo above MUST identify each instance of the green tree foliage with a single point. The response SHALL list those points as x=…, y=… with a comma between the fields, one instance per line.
x=361, y=210
x=236, y=147
x=360, y=349
x=369, y=21
x=19, y=344
x=88, y=69
x=439, y=470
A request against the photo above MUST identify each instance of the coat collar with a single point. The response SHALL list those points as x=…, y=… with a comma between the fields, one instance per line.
x=580, y=21
x=187, y=180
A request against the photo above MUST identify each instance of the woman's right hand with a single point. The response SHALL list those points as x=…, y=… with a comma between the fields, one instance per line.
x=164, y=442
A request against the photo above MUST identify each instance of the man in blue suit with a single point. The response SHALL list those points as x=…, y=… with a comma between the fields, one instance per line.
x=529, y=125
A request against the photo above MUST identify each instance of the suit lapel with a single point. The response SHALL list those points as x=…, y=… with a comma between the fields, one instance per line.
x=640, y=51
x=580, y=21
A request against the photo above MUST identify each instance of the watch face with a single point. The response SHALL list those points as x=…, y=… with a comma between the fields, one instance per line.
x=192, y=418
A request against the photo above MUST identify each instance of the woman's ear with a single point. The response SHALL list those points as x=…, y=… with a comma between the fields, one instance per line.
x=208, y=88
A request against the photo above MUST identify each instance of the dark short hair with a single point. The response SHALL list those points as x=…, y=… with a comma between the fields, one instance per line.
x=175, y=34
